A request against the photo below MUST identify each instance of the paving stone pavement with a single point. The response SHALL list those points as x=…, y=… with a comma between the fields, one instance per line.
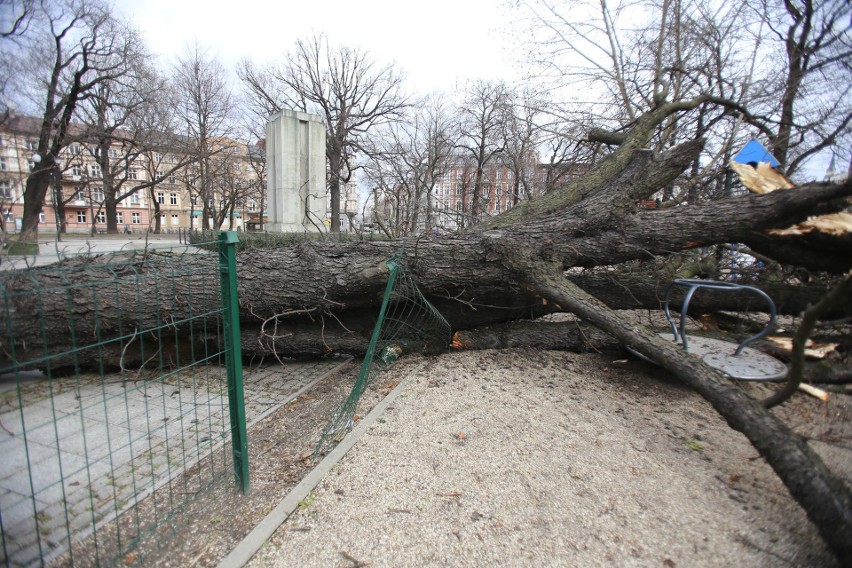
x=51, y=250
x=97, y=446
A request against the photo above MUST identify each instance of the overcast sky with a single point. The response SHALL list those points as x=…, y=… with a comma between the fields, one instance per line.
x=435, y=43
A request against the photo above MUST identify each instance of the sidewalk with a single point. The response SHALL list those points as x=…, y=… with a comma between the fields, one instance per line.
x=51, y=250
x=95, y=446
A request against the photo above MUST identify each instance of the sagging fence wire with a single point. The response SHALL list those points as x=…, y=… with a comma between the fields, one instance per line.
x=407, y=323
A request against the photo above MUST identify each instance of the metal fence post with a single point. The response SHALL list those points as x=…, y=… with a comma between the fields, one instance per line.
x=233, y=357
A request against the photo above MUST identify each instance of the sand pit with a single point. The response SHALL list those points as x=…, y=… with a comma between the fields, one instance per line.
x=531, y=458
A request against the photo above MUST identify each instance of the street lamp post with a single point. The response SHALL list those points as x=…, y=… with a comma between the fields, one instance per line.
x=55, y=181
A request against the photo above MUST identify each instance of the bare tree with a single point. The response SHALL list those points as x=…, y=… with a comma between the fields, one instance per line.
x=814, y=110
x=483, y=116
x=522, y=135
x=205, y=113
x=157, y=149
x=74, y=46
x=256, y=191
x=781, y=67
x=122, y=120
x=407, y=161
x=255, y=140
x=343, y=85
x=15, y=17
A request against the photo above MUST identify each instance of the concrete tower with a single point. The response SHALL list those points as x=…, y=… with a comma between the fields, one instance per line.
x=295, y=165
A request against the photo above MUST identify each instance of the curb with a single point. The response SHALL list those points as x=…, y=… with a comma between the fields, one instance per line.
x=252, y=542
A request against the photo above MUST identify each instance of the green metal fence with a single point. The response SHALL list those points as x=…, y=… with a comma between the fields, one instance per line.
x=407, y=323
x=120, y=400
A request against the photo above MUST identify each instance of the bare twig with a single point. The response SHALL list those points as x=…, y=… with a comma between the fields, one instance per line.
x=124, y=350
x=355, y=562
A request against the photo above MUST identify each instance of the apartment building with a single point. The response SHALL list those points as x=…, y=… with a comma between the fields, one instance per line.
x=150, y=184
x=450, y=202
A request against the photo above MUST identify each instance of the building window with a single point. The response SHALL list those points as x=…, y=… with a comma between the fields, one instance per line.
x=81, y=215
x=41, y=217
x=173, y=198
x=78, y=193
x=98, y=194
x=2, y=163
x=252, y=205
x=136, y=218
x=77, y=170
x=32, y=144
x=100, y=217
x=132, y=174
x=162, y=220
x=134, y=199
x=161, y=198
x=458, y=205
x=159, y=157
x=191, y=180
x=119, y=217
x=175, y=219
x=172, y=179
x=113, y=153
x=75, y=150
x=5, y=189
x=171, y=159
x=95, y=170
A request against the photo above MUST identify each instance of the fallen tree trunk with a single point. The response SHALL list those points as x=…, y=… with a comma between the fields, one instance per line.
x=305, y=341
x=463, y=273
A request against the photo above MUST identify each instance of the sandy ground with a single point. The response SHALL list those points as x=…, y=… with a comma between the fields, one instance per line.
x=529, y=458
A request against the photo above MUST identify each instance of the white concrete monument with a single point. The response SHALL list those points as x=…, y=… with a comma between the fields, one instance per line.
x=295, y=166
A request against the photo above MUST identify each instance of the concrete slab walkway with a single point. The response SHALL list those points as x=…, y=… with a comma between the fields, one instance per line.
x=79, y=451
